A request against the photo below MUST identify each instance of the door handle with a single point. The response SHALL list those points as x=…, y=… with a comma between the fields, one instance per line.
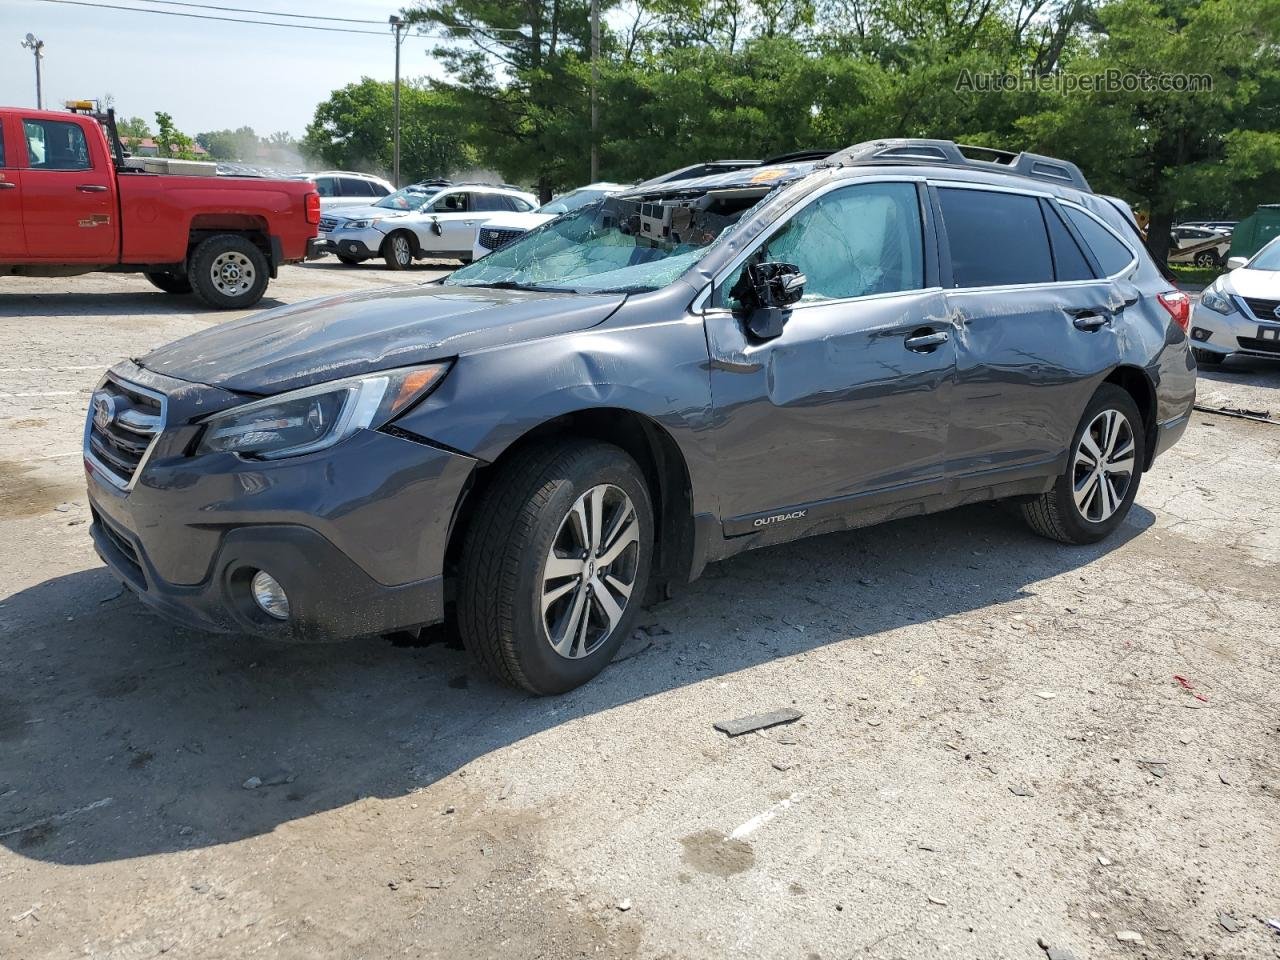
x=926, y=341
x=92, y=188
x=1090, y=321
x=7, y=185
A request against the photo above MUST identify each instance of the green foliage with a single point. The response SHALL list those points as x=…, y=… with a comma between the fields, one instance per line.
x=352, y=131
x=241, y=144
x=171, y=142
x=132, y=130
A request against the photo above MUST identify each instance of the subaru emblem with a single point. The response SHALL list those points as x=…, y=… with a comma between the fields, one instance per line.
x=1276, y=312
x=104, y=410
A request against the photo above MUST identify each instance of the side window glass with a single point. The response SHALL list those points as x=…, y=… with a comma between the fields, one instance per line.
x=55, y=145
x=1068, y=261
x=520, y=205
x=1110, y=253
x=378, y=189
x=488, y=202
x=326, y=186
x=451, y=203
x=351, y=187
x=995, y=239
x=852, y=242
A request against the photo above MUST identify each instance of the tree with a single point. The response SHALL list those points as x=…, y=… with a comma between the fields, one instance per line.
x=239, y=144
x=133, y=130
x=170, y=141
x=352, y=131
x=519, y=80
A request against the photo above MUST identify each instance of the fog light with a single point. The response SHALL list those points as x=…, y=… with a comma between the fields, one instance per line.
x=1200, y=333
x=270, y=596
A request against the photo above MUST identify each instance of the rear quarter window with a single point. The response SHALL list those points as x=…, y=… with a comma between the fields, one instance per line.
x=995, y=238
x=1112, y=255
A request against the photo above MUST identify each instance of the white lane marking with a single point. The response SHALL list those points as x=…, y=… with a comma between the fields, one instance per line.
x=760, y=819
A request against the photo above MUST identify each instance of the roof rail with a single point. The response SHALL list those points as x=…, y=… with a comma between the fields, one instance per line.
x=948, y=153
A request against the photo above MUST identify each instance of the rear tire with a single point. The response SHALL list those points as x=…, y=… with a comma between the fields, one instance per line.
x=228, y=272
x=1207, y=358
x=169, y=282
x=1094, y=493
x=535, y=556
x=1206, y=258
x=397, y=250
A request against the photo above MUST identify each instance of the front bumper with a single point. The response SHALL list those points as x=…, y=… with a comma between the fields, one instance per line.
x=359, y=244
x=1237, y=332
x=355, y=534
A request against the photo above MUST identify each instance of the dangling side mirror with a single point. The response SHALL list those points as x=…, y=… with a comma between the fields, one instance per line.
x=1235, y=263
x=772, y=288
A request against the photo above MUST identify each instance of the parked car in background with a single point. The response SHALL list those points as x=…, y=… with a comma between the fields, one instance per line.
x=412, y=224
x=1239, y=313
x=1226, y=226
x=341, y=188
x=71, y=203
x=505, y=227
x=1201, y=246
x=664, y=378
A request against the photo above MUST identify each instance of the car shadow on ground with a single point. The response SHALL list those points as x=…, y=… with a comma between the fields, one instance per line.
x=1249, y=371
x=149, y=301
x=378, y=264
x=122, y=736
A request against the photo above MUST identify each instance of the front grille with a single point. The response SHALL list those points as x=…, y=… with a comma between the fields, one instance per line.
x=328, y=224
x=118, y=540
x=124, y=421
x=1260, y=346
x=1262, y=309
x=492, y=238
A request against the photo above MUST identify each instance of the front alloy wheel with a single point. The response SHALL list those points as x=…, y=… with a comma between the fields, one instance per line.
x=555, y=563
x=397, y=251
x=590, y=572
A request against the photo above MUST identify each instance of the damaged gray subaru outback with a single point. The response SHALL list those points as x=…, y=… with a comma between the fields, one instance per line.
x=659, y=380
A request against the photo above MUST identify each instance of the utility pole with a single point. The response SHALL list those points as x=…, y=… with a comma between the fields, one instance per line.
x=595, y=82
x=398, y=27
x=36, y=46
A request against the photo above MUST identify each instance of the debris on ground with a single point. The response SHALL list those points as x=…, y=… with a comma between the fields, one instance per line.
x=758, y=721
x=1273, y=923
x=624, y=905
x=1186, y=685
x=1020, y=790
x=655, y=630
x=1060, y=953
x=937, y=901
x=1229, y=923
x=253, y=783
x=1130, y=936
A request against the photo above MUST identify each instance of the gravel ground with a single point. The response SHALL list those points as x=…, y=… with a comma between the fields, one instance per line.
x=1004, y=740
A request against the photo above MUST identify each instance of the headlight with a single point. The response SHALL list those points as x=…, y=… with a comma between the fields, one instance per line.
x=361, y=224
x=318, y=417
x=1213, y=299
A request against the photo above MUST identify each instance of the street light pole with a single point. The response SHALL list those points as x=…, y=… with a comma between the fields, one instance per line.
x=36, y=46
x=398, y=26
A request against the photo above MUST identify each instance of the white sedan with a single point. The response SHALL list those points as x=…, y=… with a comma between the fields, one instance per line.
x=416, y=223
x=502, y=229
x=1239, y=313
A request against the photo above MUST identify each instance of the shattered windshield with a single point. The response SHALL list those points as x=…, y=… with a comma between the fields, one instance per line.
x=408, y=198
x=616, y=245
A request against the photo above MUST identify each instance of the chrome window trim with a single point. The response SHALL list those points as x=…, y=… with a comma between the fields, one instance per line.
x=100, y=468
x=1133, y=256
x=699, y=304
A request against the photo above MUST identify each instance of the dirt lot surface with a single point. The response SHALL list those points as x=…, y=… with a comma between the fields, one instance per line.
x=1003, y=739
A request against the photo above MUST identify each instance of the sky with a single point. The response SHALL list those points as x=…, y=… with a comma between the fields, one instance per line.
x=209, y=75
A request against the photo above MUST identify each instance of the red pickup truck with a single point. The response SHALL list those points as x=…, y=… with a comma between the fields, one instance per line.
x=69, y=204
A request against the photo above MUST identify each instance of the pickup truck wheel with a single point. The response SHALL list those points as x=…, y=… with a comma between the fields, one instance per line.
x=228, y=272
x=397, y=250
x=1104, y=466
x=169, y=282
x=555, y=564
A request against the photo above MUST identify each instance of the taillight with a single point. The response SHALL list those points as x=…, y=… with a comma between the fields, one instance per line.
x=313, y=208
x=1179, y=306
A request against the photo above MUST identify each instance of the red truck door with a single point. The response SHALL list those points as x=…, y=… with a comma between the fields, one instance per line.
x=12, y=243
x=68, y=192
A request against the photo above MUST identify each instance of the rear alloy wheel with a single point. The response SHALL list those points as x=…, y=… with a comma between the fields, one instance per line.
x=1093, y=495
x=555, y=565
x=228, y=272
x=1207, y=358
x=397, y=250
x=1206, y=258
x=169, y=282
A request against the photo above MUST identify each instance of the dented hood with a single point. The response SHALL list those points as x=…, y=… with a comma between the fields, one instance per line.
x=318, y=340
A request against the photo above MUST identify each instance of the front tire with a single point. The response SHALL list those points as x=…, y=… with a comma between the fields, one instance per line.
x=228, y=272
x=397, y=250
x=1104, y=467
x=555, y=565
x=169, y=282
